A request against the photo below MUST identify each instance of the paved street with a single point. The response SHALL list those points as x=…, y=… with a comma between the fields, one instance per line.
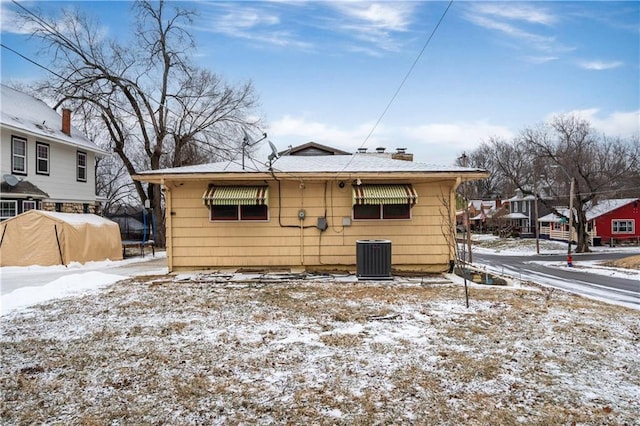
x=618, y=290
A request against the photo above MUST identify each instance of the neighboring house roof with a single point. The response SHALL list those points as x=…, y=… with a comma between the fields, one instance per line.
x=480, y=204
x=23, y=189
x=520, y=197
x=592, y=211
x=515, y=216
x=337, y=165
x=25, y=113
x=606, y=206
x=313, y=148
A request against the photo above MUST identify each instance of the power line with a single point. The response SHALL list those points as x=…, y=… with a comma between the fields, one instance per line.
x=404, y=80
x=406, y=77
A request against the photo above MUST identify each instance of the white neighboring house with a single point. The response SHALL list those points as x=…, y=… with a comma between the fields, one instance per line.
x=45, y=163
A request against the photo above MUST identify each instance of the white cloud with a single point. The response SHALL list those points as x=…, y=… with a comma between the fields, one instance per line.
x=600, y=66
x=509, y=19
x=516, y=11
x=540, y=59
x=254, y=24
x=388, y=16
x=617, y=124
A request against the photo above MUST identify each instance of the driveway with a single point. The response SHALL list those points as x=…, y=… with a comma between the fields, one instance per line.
x=12, y=278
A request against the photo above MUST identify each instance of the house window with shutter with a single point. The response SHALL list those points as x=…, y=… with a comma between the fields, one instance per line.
x=237, y=203
x=380, y=202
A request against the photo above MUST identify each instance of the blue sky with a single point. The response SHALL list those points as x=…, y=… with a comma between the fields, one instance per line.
x=325, y=71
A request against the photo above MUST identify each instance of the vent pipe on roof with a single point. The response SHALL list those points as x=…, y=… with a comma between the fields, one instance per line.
x=66, y=121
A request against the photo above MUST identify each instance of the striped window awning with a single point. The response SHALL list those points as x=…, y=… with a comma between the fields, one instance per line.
x=384, y=194
x=236, y=195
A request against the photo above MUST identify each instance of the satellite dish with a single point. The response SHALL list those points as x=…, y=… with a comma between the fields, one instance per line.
x=11, y=180
x=274, y=151
x=247, y=139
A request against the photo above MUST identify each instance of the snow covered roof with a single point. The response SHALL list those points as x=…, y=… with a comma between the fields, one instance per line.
x=606, y=206
x=515, y=216
x=478, y=204
x=23, y=112
x=356, y=163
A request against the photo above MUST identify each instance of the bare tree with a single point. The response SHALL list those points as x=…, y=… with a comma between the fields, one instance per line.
x=548, y=156
x=157, y=108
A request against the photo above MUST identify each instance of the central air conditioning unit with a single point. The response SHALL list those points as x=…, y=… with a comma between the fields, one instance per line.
x=373, y=259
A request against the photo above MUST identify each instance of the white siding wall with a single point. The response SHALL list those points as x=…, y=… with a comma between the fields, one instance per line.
x=61, y=183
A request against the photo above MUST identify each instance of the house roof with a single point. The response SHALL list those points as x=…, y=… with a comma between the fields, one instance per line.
x=307, y=166
x=313, y=148
x=25, y=113
x=515, y=216
x=592, y=211
x=22, y=189
x=606, y=206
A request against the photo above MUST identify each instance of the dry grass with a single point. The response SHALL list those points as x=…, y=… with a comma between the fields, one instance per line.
x=631, y=262
x=154, y=351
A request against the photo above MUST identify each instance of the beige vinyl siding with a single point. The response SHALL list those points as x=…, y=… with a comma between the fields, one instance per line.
x=196, y=242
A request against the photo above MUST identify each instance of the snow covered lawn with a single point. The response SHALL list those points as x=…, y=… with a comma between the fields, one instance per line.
x=207, y=349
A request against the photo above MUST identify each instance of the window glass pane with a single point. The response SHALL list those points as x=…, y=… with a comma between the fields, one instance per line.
x=224, y=212
x=366, y=211
x=8, y=208
x=253, y=212
x=396, y=211
x=82, y=166
x=28, y=205
x=42, y=156
x=19, y=155
x=19, y=147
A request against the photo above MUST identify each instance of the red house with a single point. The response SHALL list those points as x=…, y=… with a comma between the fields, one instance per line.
x=607, y=220
x=616, y=219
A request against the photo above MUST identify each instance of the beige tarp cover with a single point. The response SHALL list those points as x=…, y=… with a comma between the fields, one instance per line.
x=45, y=238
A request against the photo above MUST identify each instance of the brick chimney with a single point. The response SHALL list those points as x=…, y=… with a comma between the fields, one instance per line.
x=402, y=154
x=66, y=121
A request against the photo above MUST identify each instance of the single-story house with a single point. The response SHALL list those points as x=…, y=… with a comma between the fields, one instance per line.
x=309, y=212
x=39, y=237
x=607, y=220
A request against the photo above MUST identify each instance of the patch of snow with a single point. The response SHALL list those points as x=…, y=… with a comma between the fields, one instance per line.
x=70, y=285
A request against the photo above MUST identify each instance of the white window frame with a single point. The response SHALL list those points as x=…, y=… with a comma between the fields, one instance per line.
x=14, y=155
x=630, y=225
x=39, y=158
x=81, y=170
x=27, y=203
x=4, y=207
x=515, y=207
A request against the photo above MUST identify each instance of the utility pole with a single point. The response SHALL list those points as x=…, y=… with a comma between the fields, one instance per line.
x=571, y=196
x=535, y=200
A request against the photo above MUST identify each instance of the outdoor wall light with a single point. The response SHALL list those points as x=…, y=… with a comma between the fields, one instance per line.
x=341, y=184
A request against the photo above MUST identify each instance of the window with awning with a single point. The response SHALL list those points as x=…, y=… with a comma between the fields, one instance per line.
x=384, y=194
x=372, y=202
x=236, y=196
x=237, y=203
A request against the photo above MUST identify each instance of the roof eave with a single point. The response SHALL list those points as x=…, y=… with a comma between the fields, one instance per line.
x=160, y=178
x=96, y=150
